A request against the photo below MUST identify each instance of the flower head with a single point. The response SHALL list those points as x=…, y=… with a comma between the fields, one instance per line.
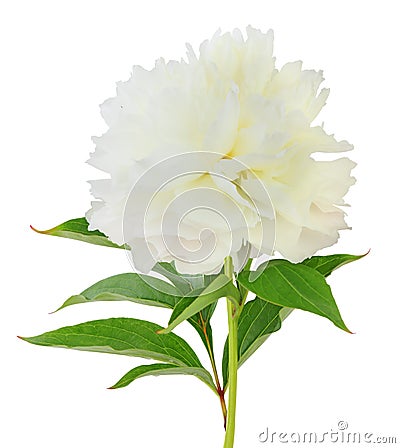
x=214, y=156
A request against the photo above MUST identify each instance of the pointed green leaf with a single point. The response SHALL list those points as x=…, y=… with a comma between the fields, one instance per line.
x=222, y=286
x=78, y=229
x=164, y=369
x=294, y=286
x=325, y=265
x=257, y=321
x=133, y=287
x=328, y=263
x=142, y=289
x=122, y=336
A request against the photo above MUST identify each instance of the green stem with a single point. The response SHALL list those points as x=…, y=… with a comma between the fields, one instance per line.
x=243, y=291
x=233, y=361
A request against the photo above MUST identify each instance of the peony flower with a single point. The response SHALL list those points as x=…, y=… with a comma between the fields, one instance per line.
x=218, y=156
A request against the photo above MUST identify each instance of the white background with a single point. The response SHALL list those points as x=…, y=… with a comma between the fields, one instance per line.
x=59, y=61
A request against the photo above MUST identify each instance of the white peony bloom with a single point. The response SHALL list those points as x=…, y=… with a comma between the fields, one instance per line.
x=213, y=156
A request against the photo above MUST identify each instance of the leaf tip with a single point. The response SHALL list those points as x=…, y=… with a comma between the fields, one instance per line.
x=358, y=257
x=30, y=339
x=43, y=232
x=57, y=309
x=347, y=330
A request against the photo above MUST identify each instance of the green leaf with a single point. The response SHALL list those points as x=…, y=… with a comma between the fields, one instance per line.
x=181, y=306
x=178, y=280
x=222, y=286
x=186, y=283
x=164, y=369
x=325, y=265
x=328, y=263
x=191, y=286
x=294, y=286
x=257, y=321
x=78, y=229
x=142, y=289
x=133, y=287
x=122, y=336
